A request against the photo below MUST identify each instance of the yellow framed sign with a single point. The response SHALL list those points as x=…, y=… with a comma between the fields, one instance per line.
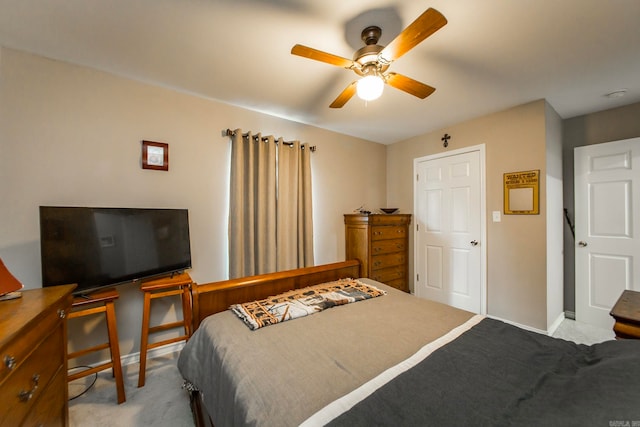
x=521, y=193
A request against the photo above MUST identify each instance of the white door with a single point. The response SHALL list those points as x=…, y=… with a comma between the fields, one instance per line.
x=449, y=221
x=607, y=205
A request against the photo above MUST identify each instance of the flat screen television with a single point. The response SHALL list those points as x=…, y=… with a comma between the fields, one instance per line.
x=95, y=247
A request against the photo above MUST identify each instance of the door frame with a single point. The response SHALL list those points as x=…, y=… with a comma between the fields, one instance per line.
x=481, y=148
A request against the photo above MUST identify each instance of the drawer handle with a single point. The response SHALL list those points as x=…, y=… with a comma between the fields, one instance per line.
x=10, y=362
x=61, y=313
x=26, y=396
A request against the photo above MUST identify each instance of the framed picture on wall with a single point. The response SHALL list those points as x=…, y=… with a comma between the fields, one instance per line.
x=521, y=193
x=155, y=155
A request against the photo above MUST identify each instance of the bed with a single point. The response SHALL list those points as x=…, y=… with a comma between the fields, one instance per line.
x=393, y=360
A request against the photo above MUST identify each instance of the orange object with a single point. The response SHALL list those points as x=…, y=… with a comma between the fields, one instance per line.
x=8, y=283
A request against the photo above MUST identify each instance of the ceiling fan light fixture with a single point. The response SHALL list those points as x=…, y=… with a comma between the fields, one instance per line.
x=372, y=61
x=370, y=87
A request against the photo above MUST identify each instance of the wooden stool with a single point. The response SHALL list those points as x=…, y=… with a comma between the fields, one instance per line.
x=101, y=302
x=179, y=284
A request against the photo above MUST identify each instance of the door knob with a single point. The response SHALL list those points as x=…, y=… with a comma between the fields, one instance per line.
x=582, y=243
x=474, y=243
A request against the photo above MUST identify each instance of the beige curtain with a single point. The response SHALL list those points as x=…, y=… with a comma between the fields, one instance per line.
x=270, y=219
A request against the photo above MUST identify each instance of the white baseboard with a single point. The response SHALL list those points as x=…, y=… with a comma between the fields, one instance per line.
x=555, y=324
x=549, y=332
x=521, y=326
x=129, y=359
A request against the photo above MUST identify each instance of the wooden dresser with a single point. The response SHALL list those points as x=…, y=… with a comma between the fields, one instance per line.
x=33, y=358
x=381, y=243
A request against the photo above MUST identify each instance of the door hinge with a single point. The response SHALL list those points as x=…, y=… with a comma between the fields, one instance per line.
x=417, y=227
x=417, y=277
x=417, y=177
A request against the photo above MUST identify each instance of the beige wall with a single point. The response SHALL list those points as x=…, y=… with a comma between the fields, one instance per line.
x=70, y=135
x=516, y=246
x=605, y=126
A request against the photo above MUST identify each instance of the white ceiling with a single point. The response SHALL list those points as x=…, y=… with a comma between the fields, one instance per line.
x=492, y=55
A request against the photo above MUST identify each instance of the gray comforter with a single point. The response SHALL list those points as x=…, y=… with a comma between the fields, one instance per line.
x=498, y=375
x=281, y=374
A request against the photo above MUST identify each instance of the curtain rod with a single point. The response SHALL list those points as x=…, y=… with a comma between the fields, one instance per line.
x=229, y=132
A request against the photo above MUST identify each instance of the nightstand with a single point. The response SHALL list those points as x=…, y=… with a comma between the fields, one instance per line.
x=626, y=312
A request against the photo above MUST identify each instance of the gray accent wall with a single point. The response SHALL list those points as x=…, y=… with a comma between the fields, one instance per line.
x=605, y=126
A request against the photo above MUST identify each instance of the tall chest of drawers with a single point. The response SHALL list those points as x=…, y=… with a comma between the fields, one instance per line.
x=33, y=358
x=381, y=243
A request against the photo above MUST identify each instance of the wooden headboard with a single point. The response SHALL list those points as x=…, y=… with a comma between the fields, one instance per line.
x=215, y=297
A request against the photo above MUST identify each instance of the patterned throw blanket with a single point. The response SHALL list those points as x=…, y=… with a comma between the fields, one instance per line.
x=303, y=302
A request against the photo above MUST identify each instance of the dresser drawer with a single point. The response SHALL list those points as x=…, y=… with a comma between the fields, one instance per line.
x=384, y=261
x=388, y=232
x=400, y=284
x=25, y=384
x=15, y=353
x=381, y=247
x=50, y=408
x=387, y=275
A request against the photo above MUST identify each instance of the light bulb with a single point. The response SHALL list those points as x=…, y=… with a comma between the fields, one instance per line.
x=370, y=87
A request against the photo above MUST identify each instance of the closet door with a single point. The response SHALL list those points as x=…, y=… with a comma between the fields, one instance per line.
x=449, y=229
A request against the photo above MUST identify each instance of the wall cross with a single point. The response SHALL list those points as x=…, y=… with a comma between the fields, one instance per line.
x=445, y=140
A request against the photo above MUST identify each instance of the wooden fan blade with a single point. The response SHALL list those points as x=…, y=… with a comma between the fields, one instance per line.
x=409, y=85
x=345, y=96
x=318, y=55
x=426, y=24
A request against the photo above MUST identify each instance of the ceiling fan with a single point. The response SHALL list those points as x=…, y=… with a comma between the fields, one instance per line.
x=372, y=61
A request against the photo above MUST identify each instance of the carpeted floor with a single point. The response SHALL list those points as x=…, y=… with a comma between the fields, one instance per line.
x=162, y=402
x=582, y=333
